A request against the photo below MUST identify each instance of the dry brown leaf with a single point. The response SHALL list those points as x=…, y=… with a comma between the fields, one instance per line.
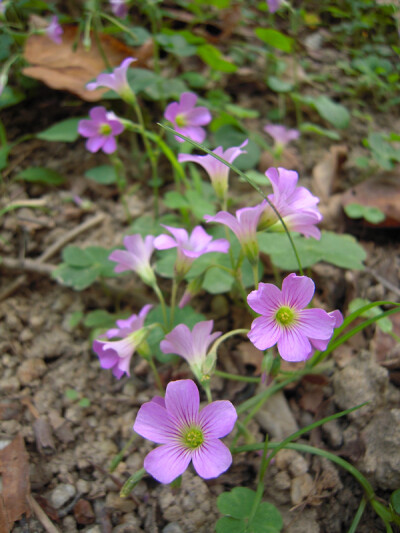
x=250, y=355
x=382, y=192
x=14, y=470
x=65, y=67
x=326, y=172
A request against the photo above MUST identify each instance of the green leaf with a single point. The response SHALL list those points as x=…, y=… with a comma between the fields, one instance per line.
x=104, y=174
x=64, y=131
x=99, y=319
x=217, y=281
x=266, y=520
x=384, y=323
x=5, y=46
x=242, y=112
x=10, y=97
x=176, y=44
x=307, y=127
x=71, y=394
x=371, y=214
x=228, y=136
x=340, y=250
x=395, y=500
x=77, y=278
x=43, y=175
x=200, y=205
x=84, y=402
x=165, y=265
x=279, y=86
x=194, y=79
x=230, y=525
x=76, y=257
x=275, y=38
x=238, y=503
x=334, y=113
x=4, y=153
x=213, y=57
x=175, y=200
x=74, y=319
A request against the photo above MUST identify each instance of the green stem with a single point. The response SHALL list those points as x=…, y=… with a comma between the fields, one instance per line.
x=359, y=513
x=130, y=484
x=161, y=299
x=175, y=284
x=118, y=458
x=234, y=377
x=255, y=274
x=216, y=344
x=156, y=375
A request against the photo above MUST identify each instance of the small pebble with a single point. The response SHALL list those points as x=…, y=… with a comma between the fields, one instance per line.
x=61, y=495
x=173, y=527
x=30, y=370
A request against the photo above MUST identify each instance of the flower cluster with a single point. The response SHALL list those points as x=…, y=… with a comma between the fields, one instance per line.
x=184, y=432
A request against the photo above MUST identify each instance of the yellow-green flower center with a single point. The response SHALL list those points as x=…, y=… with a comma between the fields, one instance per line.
x=105, y=129
x=285, y=316
x=193, y=438
x=180, y=120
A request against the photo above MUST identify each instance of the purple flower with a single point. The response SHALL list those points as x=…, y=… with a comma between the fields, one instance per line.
x=281, y=134
x=321, y=345
x=274, y=5
x=117, y=354
x=286, y=322
x=116, y=80
x=217, y=171
x=189, y=247
x=296, y=205
x=119, y=8
x=101, y=130
x=54, y=30
x=191, y=345
x=136, y=257
x=244, y=226
x=185, y=433
x=187, y=119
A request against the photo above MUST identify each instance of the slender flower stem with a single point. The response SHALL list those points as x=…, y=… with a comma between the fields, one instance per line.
x=255, y=274
x=118, y=458
x=206, y=387
x=161, y=299
x=216, y=344
x=234, y=377
x=175, y=284
x=156, y=374
x=132, y=100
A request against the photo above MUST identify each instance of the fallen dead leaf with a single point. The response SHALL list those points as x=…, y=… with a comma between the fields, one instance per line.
x=250, y=355
x=326, y=172
x=69, y=66
x=382, y=192
x=14, y=470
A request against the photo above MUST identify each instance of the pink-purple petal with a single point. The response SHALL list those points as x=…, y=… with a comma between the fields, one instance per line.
x=217, y=419
x=167, y=462
x=264, y=332
x=266, y=299
x=182, y=400
x=316, y=323
x=297, y=291
x=153, y=422
x=198, y=116
x=187, y=101
x=212, y=459
x=293, y=346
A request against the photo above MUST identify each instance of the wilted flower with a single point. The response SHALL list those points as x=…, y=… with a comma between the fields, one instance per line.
x=119, y=8
x=217, y=171
x=296, y=205
x=101, y=130
x=189, y=247
x=286, y=322
x=54, y=30
x=117, y=354
x=244, y=226
x=116, y=80
x=191, y=345
x=185, y=434
x=136, y=257
x=188, y=119
x=281, y=135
